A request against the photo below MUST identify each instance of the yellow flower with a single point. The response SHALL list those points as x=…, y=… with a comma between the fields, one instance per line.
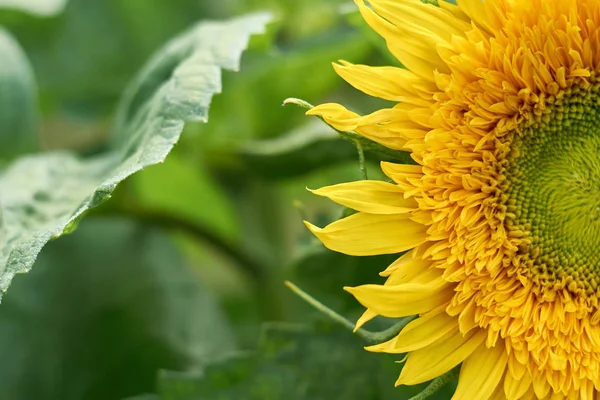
x=500, y=109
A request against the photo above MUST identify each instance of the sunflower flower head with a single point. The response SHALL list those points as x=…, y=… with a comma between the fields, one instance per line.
x=499, y=219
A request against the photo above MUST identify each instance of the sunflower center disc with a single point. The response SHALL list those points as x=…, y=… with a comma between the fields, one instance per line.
x=553, y=187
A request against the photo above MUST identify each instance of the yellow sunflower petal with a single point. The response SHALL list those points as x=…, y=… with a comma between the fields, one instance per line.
x=530, y=395
x=389, y=83
x=498, y=394
x=421, y=332
x=410, y=271
x=338, y=116
x=516, y=388
x=414, y=14
x=475, y=9
x=418, y=56
x=400, y=173
x=385, y=126
x=364, y=234
x=481, y=373
x=403, y=300
x=374, y=197
x=364, y=318
x=454, y=10
x=432, y=361
x=400, y=262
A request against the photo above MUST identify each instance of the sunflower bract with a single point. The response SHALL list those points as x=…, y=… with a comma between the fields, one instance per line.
x=499, y=106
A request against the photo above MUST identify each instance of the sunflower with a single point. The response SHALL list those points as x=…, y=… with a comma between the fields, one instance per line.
x=499, y=217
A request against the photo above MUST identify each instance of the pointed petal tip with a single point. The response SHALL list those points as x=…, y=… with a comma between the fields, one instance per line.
x=348, y=289
x=372, y=348
x=313, y=228
x=401, y=380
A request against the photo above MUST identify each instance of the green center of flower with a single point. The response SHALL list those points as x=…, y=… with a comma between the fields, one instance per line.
x=553, y=187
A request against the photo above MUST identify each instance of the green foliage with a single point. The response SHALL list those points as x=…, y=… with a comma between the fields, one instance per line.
x=99, y=323
x=296, y=363
x=18, y=104
x=42, y=196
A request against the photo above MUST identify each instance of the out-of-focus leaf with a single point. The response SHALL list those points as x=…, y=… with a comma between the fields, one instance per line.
x=18, y=99
x=44, y=196
x=295, y=363
x=37, y=7
x=101, y=313
x=302, y=150
x=314, y=145
x=179, y=188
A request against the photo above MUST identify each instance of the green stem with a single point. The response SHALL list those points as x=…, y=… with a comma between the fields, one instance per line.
x=371, y=337
x=392, y=331
x=361, y=160
x=435, y=385
x=320, y=306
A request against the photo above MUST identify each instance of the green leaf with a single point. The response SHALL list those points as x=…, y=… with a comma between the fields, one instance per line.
x=310, y=147
x=43, y=195
x=300, y=151
x=102, y=311
x=18, y=99
x=194, y=62
x=180, y=188
x=295, y=362
x=42, y=8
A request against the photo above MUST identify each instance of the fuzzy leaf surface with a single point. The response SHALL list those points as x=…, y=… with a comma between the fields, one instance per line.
x=44, y=196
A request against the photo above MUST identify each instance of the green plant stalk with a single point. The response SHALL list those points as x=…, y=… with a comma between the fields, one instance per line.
x=370, y=337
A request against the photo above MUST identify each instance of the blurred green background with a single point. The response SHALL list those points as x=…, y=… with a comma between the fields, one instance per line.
x=173, y=289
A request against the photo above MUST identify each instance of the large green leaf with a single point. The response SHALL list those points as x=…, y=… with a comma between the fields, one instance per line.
x=37, y=7
x=295, y=362
x=43, y=196
x=101, y=313
x=18, y=99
